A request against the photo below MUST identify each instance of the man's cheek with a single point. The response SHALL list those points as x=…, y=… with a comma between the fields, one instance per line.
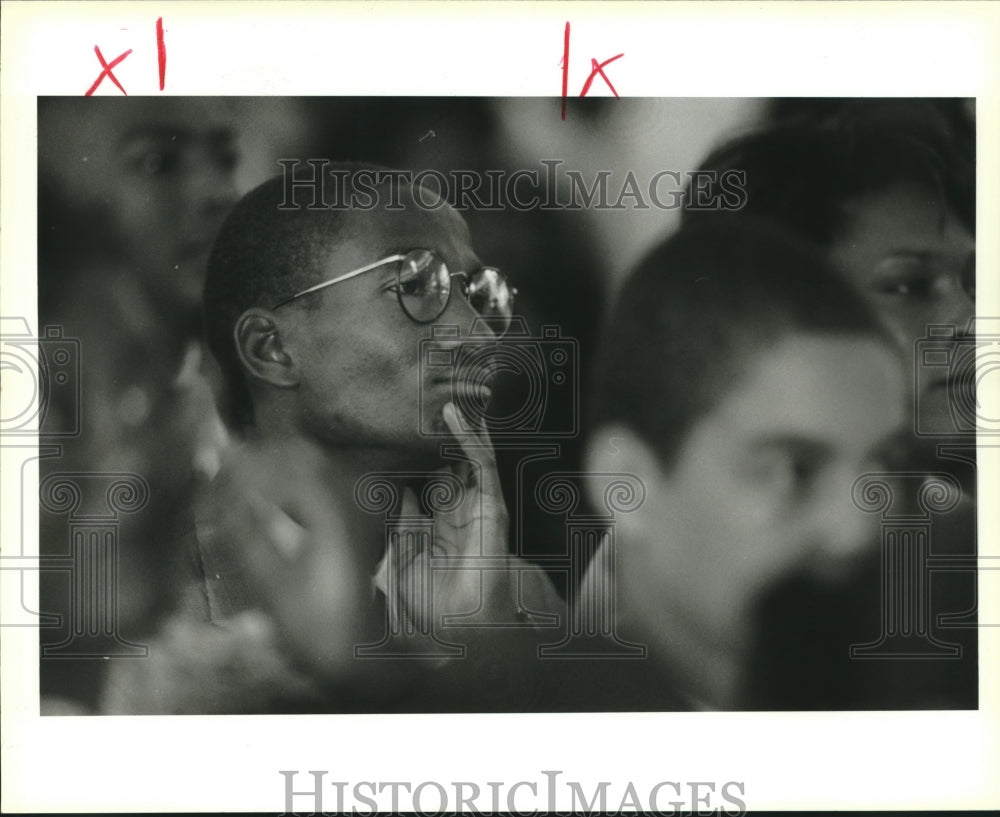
x=139, y=224
x=389, y=373
x=905, y=326
x=765, y=541
x=360, y=358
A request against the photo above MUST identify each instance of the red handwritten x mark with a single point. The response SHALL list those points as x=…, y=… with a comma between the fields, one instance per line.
x=598, y=68
x=107, y=71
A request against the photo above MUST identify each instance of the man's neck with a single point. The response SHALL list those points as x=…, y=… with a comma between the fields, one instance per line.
x=706, y=675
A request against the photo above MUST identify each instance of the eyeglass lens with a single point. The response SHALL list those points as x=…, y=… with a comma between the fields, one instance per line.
x=424, y=286
x=489, y=294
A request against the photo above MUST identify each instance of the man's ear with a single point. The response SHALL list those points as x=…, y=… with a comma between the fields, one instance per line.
x=616, y=449
x=261, y=351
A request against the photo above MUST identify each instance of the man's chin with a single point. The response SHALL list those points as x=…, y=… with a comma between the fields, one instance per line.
x=469, y=421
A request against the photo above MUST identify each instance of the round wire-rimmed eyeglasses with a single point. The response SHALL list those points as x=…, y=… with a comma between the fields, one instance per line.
x=423, y=288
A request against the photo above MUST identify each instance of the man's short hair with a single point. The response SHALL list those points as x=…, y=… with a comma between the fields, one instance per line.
x=802, y=170
x=698, y=310
x=261, y=256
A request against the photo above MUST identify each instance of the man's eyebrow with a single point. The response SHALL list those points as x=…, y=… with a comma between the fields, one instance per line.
x=909, y=254
x=153, y=132
x=810, y=446
x=925, y=255
x=220, y=135
x=174, y=133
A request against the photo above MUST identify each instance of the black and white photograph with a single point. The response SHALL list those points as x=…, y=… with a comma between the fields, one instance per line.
x=564, y=415
x=478, y=489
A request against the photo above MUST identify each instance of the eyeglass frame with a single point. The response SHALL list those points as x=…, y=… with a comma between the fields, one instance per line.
x=397, y=257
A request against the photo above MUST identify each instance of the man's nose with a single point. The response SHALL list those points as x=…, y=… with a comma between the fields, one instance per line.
x=212, y=186
x=843, y=530
x=462, y=314
x=957, y=305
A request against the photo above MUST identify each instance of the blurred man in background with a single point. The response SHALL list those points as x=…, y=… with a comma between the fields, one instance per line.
x=131, y=193
x=886, y=190
x=747, y=387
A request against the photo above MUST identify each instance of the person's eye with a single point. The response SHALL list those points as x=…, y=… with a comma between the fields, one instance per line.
x=152, y=163
x=916, y=286
x=413, y=285
x=787, y=475
x=804, y=471
x=796, y=473
x=906, y=278
x=227, y=158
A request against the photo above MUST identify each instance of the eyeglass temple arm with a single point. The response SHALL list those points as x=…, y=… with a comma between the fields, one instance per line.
x=346, y=276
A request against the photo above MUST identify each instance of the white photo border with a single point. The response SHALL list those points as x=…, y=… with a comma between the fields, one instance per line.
x=793, y=761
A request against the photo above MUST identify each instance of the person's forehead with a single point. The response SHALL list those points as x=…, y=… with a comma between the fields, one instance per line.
x=105, y=124
x=834, y=388
x=354, y=239
x=383, y=232
x=904, y=216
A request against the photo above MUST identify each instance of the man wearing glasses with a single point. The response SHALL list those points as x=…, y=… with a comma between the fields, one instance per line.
x=318, y=519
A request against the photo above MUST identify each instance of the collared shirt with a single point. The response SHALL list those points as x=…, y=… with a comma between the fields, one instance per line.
x=220, y=653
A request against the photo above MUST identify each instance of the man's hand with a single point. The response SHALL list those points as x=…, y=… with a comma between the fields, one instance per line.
x=475, y=527
x=295, y=552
